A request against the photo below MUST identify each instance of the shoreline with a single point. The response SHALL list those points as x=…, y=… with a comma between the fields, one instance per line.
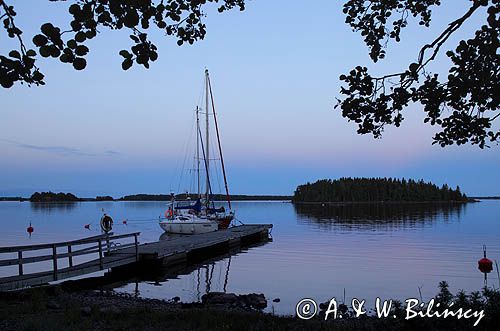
x=342, y=203
x=53, y=307
x=330, y=203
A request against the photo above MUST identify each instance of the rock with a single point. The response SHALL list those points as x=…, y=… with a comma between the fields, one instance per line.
x=254, y=300
x=176, y=299
x=219, y=298
x=277, y=300
x=53, y=305
x=86, y=311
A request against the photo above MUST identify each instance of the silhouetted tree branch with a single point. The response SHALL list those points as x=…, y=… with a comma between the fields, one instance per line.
x=464, y=105
x=181, y=19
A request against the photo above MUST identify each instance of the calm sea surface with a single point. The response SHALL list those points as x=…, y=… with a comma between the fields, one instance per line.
x=386, y=251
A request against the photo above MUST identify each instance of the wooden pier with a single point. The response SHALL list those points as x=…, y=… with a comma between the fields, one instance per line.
x=108, y=252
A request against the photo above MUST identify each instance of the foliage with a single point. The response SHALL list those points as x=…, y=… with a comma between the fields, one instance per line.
x=181, y=19
x=53, y=197
x=374, y=190
x=104, y=198
x=464, y=104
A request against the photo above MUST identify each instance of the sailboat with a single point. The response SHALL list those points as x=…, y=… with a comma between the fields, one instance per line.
x=186, y=217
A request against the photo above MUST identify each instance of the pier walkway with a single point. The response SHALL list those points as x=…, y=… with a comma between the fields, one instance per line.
x=110, y=251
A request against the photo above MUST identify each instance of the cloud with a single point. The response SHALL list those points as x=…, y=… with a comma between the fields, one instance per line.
x=61, y=150
x=110, y=152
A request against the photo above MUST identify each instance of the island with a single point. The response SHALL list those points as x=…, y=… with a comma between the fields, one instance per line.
x=352, y=190
x=53, y=197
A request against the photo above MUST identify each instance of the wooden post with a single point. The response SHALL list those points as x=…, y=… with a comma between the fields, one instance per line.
x=100, y=255
x=20, y=257
x=70, y=256
x=108, y=246
x=136, y=247
x=54, y=260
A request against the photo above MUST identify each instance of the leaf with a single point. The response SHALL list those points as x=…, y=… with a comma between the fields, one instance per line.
x=65, y=58
x=126, y=64
x=73, y=9
x=45, y=51
x=71, y=43
x=15, y=54
x=40, y=40
x=414, y=67
x=125, y=54
x=80, y=37
x=81, y=50
x=79, y=63
x=47, y=29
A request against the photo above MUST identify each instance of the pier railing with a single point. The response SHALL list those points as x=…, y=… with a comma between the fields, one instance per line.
x=104, y=245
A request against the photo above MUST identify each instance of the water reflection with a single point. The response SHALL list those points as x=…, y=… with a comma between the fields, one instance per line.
x=380, y=216
x=50, y=207
x=198, y=277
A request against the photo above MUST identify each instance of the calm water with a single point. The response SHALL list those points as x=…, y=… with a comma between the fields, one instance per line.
x=370, y=250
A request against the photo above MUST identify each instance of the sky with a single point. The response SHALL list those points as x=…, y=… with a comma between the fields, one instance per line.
x=274, y=70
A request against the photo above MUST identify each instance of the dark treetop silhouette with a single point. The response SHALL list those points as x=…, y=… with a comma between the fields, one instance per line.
x=375, y=190
x=53, y=197
x=464, y=104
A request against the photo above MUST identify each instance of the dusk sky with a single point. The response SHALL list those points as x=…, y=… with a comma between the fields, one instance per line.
x=274, y=70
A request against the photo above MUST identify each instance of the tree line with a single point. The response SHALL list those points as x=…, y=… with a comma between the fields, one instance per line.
x=53, y=197
x=375, y=190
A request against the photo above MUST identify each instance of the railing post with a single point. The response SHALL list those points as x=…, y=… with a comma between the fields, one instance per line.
x=108, y=246
x=136, y=247
x=20, y=257
x=100, y=255
x=54, y=260
x=70, y=256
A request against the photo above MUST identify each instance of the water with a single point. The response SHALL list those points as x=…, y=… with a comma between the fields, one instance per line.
x=387, y=251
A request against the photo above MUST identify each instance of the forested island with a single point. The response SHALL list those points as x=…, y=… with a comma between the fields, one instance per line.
x=53, y=197
x=375, y=190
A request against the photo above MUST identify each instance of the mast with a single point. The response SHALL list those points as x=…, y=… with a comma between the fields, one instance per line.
x=228, y=198
x=207, y=142
x=198, y=149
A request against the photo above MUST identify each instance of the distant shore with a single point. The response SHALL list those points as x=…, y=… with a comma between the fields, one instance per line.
x=486, y=198
x=49, y=197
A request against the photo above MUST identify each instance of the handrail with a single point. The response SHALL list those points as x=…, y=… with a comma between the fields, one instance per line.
x=99, y=240
x=88, y=240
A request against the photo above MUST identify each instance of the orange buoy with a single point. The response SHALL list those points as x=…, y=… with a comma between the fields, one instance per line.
x=485, y=265
x=124, y=222
x=30, y=229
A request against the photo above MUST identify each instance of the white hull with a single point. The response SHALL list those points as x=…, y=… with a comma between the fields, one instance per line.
x=192, y=226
